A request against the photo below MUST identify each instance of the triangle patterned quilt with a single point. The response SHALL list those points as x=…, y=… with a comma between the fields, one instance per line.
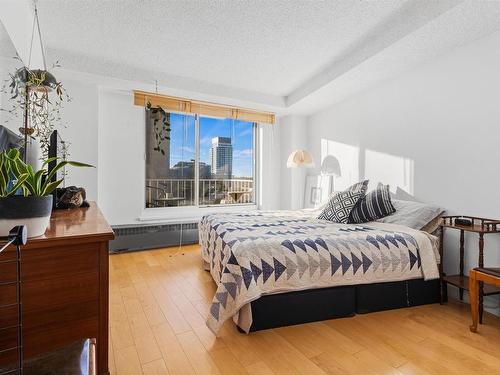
x=256, y=253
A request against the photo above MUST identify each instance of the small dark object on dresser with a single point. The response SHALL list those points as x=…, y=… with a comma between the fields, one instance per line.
x=71, y=197
x=463, y=221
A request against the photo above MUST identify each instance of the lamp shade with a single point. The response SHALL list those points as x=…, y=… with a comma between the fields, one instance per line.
x=300, y=159
x=330, y=166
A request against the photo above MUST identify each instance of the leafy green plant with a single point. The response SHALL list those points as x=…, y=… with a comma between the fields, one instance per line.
x=6, y=188
x=35, y=183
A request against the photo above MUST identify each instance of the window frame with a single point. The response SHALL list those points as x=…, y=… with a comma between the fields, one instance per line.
x=160, y=213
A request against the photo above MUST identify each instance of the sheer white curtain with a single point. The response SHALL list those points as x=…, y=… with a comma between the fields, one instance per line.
x=269, y=166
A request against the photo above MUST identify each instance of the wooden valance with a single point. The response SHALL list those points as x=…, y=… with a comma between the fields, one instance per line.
x=170, y=103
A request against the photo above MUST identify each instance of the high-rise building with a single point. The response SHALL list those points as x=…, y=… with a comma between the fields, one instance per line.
x=221, y=157
x=185, y=170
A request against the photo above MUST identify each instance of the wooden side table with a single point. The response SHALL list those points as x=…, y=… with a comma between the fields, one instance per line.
x=481, y=226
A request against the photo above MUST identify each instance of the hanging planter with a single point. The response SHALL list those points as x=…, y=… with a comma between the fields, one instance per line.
x=37, y=79
x=37, y=96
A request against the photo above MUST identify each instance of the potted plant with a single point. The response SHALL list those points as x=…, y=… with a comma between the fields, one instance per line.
x=38, y=98
x=35, y=94
x=34, y=205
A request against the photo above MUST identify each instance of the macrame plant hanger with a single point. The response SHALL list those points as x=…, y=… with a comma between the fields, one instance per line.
x=26, y=127
x=36, y=23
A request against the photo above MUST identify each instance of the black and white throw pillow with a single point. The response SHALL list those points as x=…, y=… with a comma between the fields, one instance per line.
x=340, y=205
x=359, y=187
x=374, y=205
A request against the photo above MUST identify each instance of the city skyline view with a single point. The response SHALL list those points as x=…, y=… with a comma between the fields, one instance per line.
x=182, y=141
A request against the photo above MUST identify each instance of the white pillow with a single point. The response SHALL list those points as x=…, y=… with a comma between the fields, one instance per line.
x=415, y=215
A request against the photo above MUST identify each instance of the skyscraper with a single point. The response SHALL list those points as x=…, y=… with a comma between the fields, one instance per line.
x=221, y=157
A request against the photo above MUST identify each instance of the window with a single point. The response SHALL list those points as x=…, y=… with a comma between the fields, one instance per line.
x=226, y=161
x=221, y=150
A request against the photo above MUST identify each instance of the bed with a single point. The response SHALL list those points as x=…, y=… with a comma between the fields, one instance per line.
x=278, y=268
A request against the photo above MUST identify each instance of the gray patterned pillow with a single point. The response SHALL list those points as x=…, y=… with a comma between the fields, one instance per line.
x=374, y=205
x=340, y=205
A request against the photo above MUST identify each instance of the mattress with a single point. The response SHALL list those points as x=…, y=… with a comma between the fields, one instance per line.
x=258, y=253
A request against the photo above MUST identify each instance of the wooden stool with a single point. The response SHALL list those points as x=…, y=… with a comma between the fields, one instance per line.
x=477, y=276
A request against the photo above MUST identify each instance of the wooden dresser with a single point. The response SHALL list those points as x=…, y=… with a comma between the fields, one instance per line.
x=64, y=278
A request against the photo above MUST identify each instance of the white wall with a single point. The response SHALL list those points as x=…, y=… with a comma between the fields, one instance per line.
x=17, y=19
x=3, y=97
x=121, y=157
x=293, y=130
x=434, y=132
x=270, y=162
x=7, y=66
x=81, y=119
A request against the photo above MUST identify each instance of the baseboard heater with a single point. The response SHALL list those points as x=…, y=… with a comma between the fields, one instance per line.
x=148, y=236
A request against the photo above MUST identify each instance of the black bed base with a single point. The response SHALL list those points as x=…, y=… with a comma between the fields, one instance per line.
x=280, y=310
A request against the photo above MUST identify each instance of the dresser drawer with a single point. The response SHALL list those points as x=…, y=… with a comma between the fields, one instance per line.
x=8, y=294
x=78, y=289
x=47, y=315
x=9, y=254
x=8, y=316
x=46, y=338
x=67, y=261
x=9, y=360
x=9, y=338
x=8, y=271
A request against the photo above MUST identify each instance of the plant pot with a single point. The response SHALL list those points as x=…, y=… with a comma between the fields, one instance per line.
x=47, y=80
x=34, y=212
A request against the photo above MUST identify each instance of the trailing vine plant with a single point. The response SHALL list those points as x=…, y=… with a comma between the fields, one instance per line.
x=161, y=125
x=38, y=98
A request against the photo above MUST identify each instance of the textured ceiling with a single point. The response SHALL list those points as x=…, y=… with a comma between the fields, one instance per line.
x=263, y=46
x=465, y=23
x=295, y=54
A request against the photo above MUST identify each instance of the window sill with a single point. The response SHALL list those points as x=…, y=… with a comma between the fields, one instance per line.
x=188, y=214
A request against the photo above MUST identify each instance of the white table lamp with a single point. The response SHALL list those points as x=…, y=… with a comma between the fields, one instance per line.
x=330, y=167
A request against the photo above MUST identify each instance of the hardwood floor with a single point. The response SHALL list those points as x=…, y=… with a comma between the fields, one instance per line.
x=159, y=300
